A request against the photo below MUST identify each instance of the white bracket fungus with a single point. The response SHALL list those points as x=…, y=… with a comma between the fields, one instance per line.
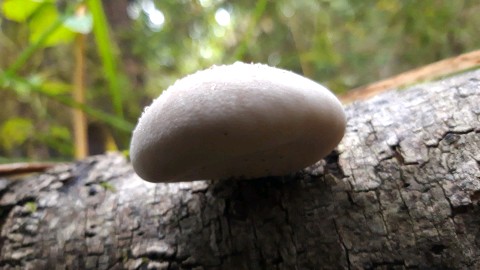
x=241, y=121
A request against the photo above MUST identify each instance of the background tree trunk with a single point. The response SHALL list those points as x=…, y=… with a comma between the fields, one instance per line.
x=401, y=191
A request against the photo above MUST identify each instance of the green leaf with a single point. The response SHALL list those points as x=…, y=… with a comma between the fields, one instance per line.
x=56, y=87
x=106, y=49
x=60, y=132
x=52, y=87
x=80, y=23
x=33, y=47
x=115, y=121
x=58, y=138
x=22, y=89
x=19, y=10
x=15, y=131
x=42, y=20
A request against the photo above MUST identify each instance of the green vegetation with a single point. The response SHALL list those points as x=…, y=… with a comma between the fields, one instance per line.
x=135, y=49
x=31, y=207
x=108, y=186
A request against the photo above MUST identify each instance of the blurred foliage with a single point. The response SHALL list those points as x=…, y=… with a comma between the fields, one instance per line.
x=137, y=48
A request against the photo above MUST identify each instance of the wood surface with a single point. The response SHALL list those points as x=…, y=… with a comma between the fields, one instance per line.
x=401, y=191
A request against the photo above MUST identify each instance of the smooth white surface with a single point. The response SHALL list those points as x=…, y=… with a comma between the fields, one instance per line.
x=240, y=120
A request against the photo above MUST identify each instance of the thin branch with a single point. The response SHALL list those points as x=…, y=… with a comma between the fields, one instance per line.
x=429, y=72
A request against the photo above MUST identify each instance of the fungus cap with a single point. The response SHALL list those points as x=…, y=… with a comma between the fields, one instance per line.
x=240, y=120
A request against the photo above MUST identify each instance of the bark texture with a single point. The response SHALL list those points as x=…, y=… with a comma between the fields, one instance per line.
x=400, y=192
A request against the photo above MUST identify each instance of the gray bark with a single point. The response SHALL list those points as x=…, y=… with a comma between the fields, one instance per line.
x=400, y=192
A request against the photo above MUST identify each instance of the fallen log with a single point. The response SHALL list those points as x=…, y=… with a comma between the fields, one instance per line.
x=401, y=191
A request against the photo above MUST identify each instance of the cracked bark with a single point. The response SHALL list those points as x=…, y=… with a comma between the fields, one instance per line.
x=401, y=191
